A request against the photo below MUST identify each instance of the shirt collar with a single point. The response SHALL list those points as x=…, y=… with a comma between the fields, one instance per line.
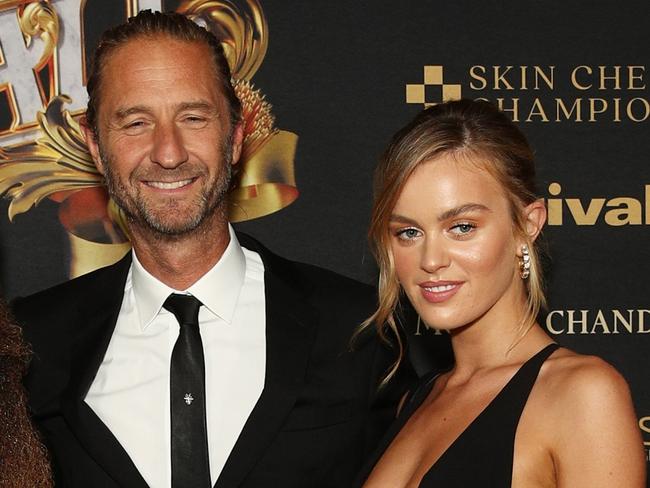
x=218, y=289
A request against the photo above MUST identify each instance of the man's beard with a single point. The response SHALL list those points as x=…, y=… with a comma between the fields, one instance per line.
x=139, y=212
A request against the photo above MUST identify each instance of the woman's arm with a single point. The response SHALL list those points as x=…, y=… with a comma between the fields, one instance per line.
x=598, y=442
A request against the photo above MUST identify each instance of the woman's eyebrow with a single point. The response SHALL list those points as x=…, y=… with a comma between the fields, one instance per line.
x=461, y=209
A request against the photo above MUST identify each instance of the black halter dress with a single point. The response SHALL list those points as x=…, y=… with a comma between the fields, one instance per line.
x=482, y=454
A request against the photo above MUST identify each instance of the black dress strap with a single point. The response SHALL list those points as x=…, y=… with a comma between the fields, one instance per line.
x=483, y=454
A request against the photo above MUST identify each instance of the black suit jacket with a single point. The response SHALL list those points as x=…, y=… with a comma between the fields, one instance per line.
x=319, y=413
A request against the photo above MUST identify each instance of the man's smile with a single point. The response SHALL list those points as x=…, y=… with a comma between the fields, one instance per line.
x=169, y=185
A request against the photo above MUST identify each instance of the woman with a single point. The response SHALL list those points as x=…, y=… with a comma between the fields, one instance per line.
x=455, y=226
x=23, y=459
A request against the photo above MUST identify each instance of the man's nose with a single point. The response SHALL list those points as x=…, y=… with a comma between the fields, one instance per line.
x=168, y=148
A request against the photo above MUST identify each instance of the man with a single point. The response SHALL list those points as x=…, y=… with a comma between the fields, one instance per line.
x=117, y=383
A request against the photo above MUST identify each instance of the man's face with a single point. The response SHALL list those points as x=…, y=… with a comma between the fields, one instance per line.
x=165, y=145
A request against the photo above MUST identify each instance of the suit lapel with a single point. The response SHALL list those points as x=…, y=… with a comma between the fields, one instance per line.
x=290, y=333
x=99, y=311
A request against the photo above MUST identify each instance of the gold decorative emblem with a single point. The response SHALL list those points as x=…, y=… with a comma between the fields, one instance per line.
x=433, y=76
x=57, y=164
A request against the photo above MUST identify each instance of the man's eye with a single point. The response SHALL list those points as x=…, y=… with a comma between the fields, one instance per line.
x=135, y=127
x=195, y=120
x=407, y=234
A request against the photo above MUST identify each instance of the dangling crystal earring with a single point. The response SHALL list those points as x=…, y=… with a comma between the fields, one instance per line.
x=417, y=329
x=524, y=263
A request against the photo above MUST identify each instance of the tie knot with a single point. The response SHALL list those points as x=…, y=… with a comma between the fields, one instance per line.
x=184, y=307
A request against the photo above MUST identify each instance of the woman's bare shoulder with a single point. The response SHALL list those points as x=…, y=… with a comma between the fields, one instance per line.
x=588, y=419
x=572, y=377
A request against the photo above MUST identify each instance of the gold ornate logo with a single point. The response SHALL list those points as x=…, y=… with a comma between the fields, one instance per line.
x=55, y=163
x=433, y=79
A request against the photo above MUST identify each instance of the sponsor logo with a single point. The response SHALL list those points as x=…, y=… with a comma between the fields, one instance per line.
x=545, y=94
x=613, y=211
x=582, y=322
x=432, y=81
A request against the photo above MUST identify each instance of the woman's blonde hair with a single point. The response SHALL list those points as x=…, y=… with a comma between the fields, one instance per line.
x=473, y=130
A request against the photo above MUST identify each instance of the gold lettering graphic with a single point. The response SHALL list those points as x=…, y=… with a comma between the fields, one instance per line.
x=618, y=318
x=569, y=114
x=523, y=70
x=514, y=110
x=509, y=78
x=499, y=77
x=647, y=204
x=642, y=329
x=587, y=322
x=628, y=213
x=600, y=322
x=475, y=73
x=644, y=425
x=582, y=216
x=538, y=75
x=593, y=110
x=646, y=109
x=554, y=205
x=621, y=210
x=537, y=111
x=573, y=322
x=616, y=77
x=549, y=322
x=617, y=109
x=547, y=78
x=632, y=77
x=574, y=77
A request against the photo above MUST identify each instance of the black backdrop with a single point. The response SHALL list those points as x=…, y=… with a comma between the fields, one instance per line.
x=336, y=74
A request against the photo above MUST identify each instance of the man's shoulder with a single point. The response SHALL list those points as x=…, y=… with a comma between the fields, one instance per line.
x=65, y=297
x=309, y=278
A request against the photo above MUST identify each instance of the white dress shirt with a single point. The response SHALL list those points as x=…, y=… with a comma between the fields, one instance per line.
x=130, y=393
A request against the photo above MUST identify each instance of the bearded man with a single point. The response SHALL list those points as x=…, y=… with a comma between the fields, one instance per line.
x=200, y=359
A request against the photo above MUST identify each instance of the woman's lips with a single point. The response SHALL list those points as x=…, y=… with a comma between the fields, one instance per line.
x=439, y=291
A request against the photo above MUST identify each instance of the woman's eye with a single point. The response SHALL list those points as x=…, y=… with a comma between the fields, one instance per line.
x=462, y=228
x=407, y=234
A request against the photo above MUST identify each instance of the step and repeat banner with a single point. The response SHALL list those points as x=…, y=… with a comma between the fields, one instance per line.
x=325, y=84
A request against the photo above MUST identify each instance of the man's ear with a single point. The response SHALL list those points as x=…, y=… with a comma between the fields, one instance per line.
x=534, y=219
x=237, y=142
x=93, y=143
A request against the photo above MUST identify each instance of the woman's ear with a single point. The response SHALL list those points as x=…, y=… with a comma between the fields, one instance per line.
x=534, y=218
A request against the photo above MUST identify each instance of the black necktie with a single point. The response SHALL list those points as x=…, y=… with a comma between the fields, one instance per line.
x=189, y=439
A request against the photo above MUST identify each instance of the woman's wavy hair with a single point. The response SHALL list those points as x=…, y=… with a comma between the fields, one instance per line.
x=23, y=458
x=475, y=131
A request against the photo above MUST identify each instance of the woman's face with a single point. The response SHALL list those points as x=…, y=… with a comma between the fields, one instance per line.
x=453, y=243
